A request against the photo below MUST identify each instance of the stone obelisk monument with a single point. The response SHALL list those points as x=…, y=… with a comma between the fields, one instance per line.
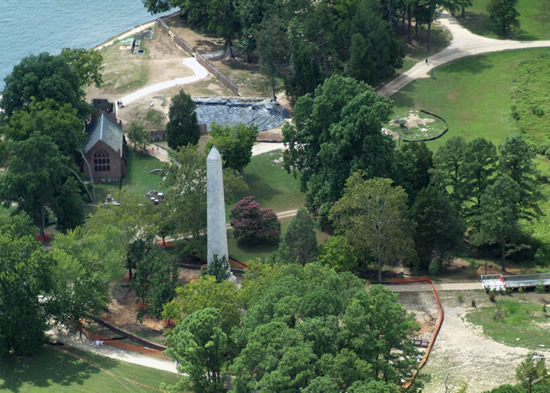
x=216, y=228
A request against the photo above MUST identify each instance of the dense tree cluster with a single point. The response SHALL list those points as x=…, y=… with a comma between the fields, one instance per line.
x=41, y=129
x=355, y=38
x=308, y=329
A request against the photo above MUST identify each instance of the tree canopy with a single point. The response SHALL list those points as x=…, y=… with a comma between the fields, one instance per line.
x=334, y=134
x=372, y=215
x=182, y=128
x=234, y=144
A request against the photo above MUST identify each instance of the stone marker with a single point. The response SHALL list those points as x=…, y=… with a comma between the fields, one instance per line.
x=215, y=208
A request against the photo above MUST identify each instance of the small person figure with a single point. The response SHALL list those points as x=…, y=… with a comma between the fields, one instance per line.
x=426, y=60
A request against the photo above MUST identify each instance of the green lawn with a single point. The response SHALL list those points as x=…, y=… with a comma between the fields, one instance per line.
x=56, y=372
x=138, y=180
x=245, y=253
x=272, y=186
x=534, y=20
x=508, y=320
x=474, y=96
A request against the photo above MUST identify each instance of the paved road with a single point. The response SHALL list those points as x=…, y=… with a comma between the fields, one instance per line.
x=465, y=286
x=463, y=44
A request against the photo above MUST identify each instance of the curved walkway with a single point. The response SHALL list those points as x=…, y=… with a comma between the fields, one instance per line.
x=463, y=44
x=199, y=71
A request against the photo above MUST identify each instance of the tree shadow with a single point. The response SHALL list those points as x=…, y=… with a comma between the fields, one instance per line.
x=471, y=65
x=45, y=369
x=259, y=187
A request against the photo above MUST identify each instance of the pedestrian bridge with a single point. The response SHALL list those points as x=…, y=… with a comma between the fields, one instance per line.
x=502, y=282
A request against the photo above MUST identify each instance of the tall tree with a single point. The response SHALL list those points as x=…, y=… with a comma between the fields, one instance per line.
x=68, y=207
x=88, y=65
x=182, y=128
x=498, y=220
x=373, y=216
x=504, y=15
x=385, y=346
x=273, y=45
x=517, y=160
x=439, y=229
x=206, y=292
x=137, y=135
x=374, y=53
x=478, y=171
x=24, y=279
x=85, y=266
x=447, y=173
x=33, y=171
x=334, y=134
x=198, y=344
x=305, y=73
x=300, y=240
x=58, y=121
x=234, y=144
x=155, y=282
x=530, y=370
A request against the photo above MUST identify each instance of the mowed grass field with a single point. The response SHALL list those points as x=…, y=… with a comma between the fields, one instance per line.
x=534, y=20
x=51, y=371
x=474, y=96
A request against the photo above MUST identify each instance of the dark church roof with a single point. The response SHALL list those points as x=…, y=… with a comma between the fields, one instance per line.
x=107, y=130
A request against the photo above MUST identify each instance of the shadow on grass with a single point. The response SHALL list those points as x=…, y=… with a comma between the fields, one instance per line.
x=45, y=369
x=472, y=65
x=262, y=190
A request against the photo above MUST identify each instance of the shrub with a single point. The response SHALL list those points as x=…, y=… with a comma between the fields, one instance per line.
x=252, y=224
x=508, y=291
x=460, y=298
x=540, y=288
x=473, y=302
x=492, y=295
x=434, y=267
x=520, y=290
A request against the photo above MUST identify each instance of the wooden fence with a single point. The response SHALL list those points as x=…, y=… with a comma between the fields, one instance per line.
x=200, y=59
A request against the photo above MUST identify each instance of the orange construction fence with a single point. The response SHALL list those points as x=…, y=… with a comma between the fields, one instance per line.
x=437, y=326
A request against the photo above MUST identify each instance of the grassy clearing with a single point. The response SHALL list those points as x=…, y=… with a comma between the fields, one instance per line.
x=123, y=71
x=507, y=320
x=270, y=183
x=530, y=105
x=474, y=96
x=138, y=181
x=534, y=20
x=56, y=372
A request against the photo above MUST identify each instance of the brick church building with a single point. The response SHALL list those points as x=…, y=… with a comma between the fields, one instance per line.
x=106, y=150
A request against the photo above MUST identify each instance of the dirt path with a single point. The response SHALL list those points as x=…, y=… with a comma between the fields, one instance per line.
x=463, y=44
x=462, y=352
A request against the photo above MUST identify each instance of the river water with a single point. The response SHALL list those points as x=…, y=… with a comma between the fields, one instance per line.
x=35, y=26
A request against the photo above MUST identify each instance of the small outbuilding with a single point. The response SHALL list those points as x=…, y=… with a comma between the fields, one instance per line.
x=106, y=149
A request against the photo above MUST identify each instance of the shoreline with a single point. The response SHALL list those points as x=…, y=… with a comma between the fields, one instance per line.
x=128, y=33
